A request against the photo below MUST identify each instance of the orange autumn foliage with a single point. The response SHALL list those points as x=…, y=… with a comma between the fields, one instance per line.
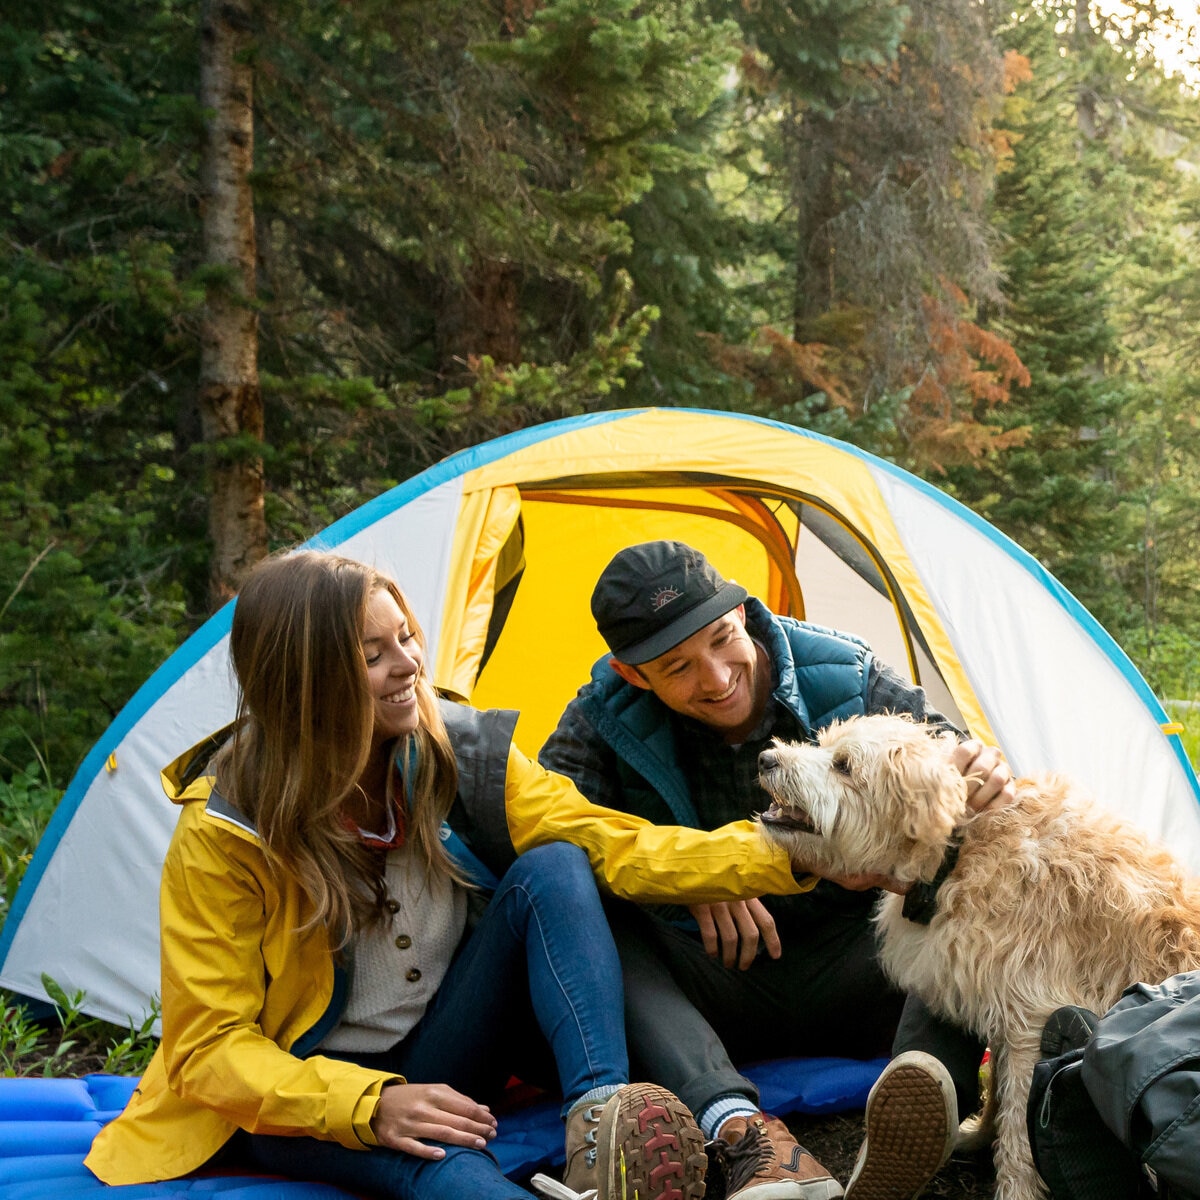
x=971, y=370
x=967, y=372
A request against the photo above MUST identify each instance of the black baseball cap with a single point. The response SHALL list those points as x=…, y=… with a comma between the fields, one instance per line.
x=657, y=594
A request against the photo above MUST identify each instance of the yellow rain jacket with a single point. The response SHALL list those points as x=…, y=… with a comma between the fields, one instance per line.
x=245, y=996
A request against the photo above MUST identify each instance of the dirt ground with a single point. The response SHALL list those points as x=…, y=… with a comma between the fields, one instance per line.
x=834, y=1142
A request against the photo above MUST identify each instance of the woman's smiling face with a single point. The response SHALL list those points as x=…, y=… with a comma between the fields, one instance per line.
x=394, y=657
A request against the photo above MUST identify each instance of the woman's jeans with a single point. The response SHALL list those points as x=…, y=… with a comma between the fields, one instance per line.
x=541, y=950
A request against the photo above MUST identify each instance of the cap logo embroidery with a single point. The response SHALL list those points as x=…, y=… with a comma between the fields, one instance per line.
x=663, y=597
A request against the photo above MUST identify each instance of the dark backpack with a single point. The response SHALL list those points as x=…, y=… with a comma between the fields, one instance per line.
x=1076, y=1154
x=1141, y=1070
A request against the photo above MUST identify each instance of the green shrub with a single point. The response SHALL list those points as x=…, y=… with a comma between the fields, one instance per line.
x=27, y=801
x=69, y=1042
x=1187, y=713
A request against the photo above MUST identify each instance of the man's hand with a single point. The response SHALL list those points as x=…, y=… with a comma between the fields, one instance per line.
x=990, y=783
x=407, y=1112
x=732, y=930
x=865, y=882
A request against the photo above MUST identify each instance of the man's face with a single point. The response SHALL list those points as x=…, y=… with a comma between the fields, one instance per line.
x=715, y=677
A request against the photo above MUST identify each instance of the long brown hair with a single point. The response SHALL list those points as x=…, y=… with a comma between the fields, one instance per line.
x=303, y=734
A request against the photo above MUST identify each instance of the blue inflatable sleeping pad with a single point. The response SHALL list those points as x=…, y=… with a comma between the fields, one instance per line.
x=47, y=1126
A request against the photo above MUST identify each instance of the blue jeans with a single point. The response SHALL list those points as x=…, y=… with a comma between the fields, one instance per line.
x=540, y=958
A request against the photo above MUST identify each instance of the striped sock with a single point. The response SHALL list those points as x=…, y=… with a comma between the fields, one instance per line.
x=596, y=1095
x=716, y=1112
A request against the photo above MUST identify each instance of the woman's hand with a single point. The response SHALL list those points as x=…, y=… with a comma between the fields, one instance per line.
x=408, y=1112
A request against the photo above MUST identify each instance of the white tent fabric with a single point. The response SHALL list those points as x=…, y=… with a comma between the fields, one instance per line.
x=1038, y=645
x=995, y=640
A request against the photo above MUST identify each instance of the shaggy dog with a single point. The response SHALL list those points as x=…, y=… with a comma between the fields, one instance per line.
x=1052, y=900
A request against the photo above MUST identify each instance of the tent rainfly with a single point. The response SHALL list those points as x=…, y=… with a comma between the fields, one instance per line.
x=498, y=548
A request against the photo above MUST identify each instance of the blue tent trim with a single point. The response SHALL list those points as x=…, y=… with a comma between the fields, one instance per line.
x=217, y=626
x=47, y=1127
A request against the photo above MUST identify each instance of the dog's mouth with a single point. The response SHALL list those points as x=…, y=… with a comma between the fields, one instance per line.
x=787, y=817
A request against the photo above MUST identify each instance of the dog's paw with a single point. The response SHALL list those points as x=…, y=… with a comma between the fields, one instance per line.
x=975, y=1134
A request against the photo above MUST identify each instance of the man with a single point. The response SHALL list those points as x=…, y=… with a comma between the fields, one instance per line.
x=702, y=677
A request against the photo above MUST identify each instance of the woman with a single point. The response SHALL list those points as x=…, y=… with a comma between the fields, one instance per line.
x=322, y=997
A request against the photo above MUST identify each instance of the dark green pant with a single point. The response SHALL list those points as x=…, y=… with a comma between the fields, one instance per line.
x=689, y=1019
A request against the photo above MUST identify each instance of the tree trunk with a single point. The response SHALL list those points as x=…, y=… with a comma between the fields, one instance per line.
x=1085, y=97
x=811, y=152
x=231, y=406
x=479, y=316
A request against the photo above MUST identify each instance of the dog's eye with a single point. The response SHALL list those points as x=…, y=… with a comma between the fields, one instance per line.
x=841, y=764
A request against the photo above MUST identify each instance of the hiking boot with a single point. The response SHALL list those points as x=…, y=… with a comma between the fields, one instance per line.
x=762, y=1161
x=910, y=1125
x=1067, y=1028
x=640, y=1144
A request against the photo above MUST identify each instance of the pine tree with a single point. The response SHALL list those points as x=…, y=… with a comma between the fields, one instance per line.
x=1090, y=210
x=880, y=170
x=231, y=405
x=1056, y=491
x=97, y=364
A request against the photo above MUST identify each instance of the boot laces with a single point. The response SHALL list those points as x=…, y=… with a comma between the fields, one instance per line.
x=743, y=1159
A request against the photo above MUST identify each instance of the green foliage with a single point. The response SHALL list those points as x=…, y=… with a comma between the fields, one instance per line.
x=1094, y=217
x=824, y=53
x=614, y=77
x=501, y=399
x=1187, y=714
x=19, y=1037
x=27, y=801
x=1169, y=659
x=95, y=306
x=334, y=443
x=1054, y=493
x=854, y=175
x=437, y=186
x=71, y=1043
x=435, y=196
x=689, y=249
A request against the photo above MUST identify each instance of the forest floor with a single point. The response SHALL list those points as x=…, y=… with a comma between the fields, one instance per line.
x=834, y=1142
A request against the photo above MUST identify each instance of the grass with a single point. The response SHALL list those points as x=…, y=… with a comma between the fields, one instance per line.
x=68, y=1042
x=1187, y=713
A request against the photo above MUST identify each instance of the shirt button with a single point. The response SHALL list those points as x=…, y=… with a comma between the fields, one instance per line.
x=413, y=975
x=393, y=906
x=403, y=942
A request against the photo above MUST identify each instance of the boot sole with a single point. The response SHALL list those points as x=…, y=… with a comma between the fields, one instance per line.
x=911, y=1122
x=655, y=1151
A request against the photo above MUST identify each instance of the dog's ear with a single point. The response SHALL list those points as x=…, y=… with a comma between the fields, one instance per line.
x=932, y=793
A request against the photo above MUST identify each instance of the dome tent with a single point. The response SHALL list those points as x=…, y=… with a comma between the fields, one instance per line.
x=498, y=547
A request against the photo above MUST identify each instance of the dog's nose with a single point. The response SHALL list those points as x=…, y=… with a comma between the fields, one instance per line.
x=767, y=760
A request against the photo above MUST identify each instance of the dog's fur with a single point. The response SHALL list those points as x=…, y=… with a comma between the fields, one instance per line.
x=1053, y=901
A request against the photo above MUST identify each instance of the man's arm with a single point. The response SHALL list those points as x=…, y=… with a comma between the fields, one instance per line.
x=888, y=692
x=637, y=860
